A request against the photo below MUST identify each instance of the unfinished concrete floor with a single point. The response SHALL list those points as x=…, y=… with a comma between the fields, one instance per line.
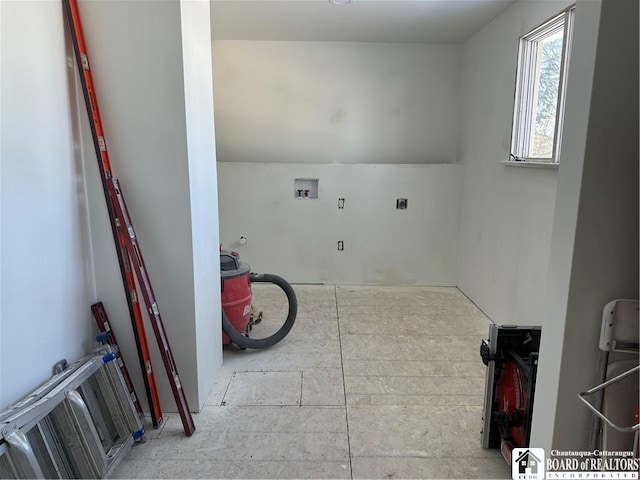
x=372, y=382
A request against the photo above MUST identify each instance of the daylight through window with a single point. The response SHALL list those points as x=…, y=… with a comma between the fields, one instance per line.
x=543, y=61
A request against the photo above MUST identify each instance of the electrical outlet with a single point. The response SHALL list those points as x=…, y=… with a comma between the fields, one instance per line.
x=340, y=245
x=402, y=203
x=340, y=203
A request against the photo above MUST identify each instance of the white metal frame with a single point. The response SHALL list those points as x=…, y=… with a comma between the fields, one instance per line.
x=619, y=334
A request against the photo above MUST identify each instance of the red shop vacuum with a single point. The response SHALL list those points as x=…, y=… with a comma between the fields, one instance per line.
x=237, y=319
x=511, y=357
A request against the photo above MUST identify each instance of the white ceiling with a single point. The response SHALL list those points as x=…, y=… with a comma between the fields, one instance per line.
x=421, y=21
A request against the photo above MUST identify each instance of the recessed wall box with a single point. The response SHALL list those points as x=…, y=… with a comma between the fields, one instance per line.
x=305, y=188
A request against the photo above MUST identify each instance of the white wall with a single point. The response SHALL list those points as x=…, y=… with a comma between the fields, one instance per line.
x=153, y=81
x=507, y=212
x=287, y=109
x=298, y=239
x=529, y=255
x=201, y=151
x=594, y=255
x=45, y=261
x=344, y=102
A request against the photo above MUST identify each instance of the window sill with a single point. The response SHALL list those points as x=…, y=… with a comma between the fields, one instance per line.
x=511, y=163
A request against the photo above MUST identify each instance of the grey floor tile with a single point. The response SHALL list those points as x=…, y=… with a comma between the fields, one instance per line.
x=245, y=469
x=417, y=300
x=441, y=386
x=388, y=310
x=415, y=368
x=311, y=329
x=414, y=391
x=410, y=347
x=286, y=355
x=414, y=400
x=305, y=309
x=461, y=308
x=264, y=388
x=446, y=324
x=262, y=418
x=316, y=358
x=416, y=431
x=235, y=445
x=282, y=470
x=395, y=310
x=312, y=310
x=412, y=324
x=363, y=294
x=253, y=433
x=159, y=469
x=322, y=386
x=216, y=396
x=294, y=470
x=315, y=292
x=313, y=302
x=424, y=468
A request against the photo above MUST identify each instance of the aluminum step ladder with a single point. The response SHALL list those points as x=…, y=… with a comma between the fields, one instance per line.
x=79, y=424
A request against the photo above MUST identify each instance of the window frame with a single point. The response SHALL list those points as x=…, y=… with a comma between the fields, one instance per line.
x=525, y=88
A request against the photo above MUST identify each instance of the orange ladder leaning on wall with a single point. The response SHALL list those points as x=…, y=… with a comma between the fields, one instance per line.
x=130, y=256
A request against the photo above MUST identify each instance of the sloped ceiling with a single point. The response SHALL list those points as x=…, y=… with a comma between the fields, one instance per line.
x=410, y=21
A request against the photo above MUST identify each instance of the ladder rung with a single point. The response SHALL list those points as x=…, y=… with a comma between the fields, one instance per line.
x=74, y=423
x=22, y=459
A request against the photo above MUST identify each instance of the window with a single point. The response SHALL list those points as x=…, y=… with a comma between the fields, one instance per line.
x=543, y=61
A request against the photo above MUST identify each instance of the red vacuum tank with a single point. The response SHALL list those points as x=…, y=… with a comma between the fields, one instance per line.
x=235, y=282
